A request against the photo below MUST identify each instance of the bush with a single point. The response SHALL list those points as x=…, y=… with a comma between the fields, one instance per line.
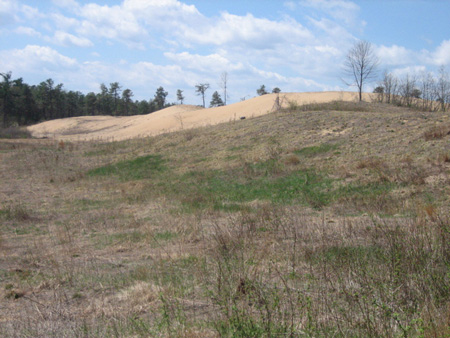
x=437, y=132
x=14, y=132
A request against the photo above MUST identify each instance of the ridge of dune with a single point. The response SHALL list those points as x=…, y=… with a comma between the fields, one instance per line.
x=108, y=128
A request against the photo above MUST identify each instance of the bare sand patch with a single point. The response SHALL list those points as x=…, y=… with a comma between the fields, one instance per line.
x=109, y=128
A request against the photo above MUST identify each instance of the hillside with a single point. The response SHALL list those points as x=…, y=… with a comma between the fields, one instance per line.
x=318, y=220
x=174, y=118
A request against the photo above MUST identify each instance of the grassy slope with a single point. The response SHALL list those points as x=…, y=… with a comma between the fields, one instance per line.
x=325, y=221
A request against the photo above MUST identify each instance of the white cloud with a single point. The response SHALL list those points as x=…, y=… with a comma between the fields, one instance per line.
x=291, y=5
x=28, y=31
x=329, y=32
x=148, y=72
x=204, y=63
x=395, y=55
x=35, y=58
x=111, y=23
x=160, y=10
x=408, y=71
x=66, y=39
x=409, y=60
x=441, y=56
x=248, y=31
x=282, y=52
x=8, y=12
x=63, y=22
x=343, y=11
x=31, y=13
x=70, y=4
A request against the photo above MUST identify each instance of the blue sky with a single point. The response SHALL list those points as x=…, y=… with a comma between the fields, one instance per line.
x=296, y=45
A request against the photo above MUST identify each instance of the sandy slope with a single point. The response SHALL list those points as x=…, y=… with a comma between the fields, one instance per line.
x=178, y=117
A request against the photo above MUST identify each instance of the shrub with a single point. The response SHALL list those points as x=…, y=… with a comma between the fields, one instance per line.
x=14, y=132
x=437, y=132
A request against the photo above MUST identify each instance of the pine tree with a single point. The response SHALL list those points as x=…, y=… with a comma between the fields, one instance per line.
x=216, y=100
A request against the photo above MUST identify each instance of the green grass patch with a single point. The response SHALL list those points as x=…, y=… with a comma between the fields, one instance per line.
x=164, y=236
x=236, y=148
x=17, y=212
x=5, y=213
x=98, y=152
x=104, y=240
x=88, y=204
x=337, y=105
x=136, y=169
x=229, y=190
x=344, y=255
x=370, y=189
x=316, y=150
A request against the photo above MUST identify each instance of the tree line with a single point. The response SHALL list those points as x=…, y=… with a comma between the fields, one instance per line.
x=424, y=91
x=24, y=104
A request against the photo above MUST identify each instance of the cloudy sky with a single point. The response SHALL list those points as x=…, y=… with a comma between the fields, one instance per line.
x=296, y=45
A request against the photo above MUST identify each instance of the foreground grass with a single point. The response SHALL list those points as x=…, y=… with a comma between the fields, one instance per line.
x=329, y=222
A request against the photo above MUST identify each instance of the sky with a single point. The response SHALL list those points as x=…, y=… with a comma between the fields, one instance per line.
x=297, y=45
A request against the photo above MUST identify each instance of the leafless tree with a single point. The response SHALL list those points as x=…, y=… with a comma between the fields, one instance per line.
x=223, y=85
x=443, y=88
x=389, y=84
x=407, y=89
x=360, y=65
x=427, y=87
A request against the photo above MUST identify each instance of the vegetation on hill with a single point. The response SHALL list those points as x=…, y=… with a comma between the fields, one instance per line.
x=425, y=92
x=329, y=220
x=22, y=104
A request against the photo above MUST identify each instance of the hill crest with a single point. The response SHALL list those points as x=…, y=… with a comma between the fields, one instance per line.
x=178, y=117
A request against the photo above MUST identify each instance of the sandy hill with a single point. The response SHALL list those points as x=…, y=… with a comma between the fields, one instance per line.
x=174, y=118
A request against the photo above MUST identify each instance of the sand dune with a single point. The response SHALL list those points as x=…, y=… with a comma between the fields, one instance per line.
x=108, y=128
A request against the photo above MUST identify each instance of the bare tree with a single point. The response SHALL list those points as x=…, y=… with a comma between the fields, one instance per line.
x=427, y=87
x=407, y=87
x=223, y=85
x=200, y=89
x=389, y=84
x=360, y=65
x=443, y=88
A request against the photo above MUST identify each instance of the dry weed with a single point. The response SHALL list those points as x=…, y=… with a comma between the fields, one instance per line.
x=437, y=132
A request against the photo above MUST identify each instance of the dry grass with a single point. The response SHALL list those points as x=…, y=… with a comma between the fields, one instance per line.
x=207, y=237
x=437, y=132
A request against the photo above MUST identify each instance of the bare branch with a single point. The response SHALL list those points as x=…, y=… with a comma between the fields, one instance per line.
x=360, y=65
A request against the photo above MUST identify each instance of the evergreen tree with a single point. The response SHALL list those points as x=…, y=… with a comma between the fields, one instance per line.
x=216, y=100
x=7, y=103
x=114, y=91
x=262, y=90
x=91, y=104
x=159, y=101
x=180, y=96
x=127, y=94
x=276, y=90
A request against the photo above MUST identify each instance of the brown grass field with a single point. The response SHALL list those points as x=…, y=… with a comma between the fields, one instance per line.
x=317, y=220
